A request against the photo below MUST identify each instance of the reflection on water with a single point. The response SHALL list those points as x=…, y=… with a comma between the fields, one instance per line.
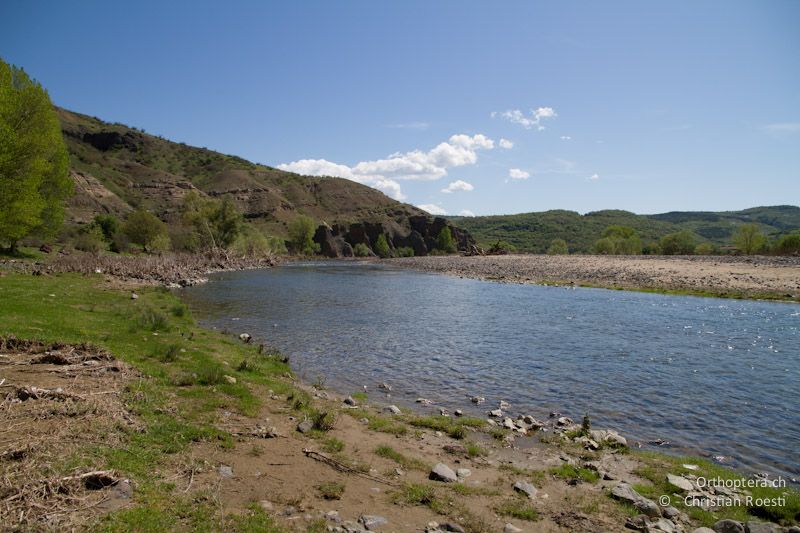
x=712, y=376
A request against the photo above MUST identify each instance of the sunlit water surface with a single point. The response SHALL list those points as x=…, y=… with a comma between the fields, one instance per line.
x=713, y=377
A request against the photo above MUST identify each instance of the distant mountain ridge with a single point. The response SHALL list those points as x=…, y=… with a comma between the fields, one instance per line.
x=533, y=232
x=117, y=168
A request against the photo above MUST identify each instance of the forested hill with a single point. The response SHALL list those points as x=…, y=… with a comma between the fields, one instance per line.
x=533, y=232
x=117, y=168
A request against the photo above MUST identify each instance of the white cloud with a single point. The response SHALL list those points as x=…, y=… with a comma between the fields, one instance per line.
x=458, y=185
x=518, y=174
x=594, y=177
x=535, y=119
x=566, y=138
x=782, y=128
x=505, y=144
x=459, y=150
x=466, y=213
x=433, y=209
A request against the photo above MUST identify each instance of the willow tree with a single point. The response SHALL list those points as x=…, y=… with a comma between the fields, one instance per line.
x=34, y=165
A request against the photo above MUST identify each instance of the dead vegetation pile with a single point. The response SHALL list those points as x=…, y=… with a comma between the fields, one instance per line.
x=57, y=401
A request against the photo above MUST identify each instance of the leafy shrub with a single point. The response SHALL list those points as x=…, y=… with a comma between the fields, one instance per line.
x=445, y=241
x=558, y=247
x=90, y=240
x=678, y=243
x=332, y=490
x=301, y=235
x=361, y=250
x=382, y=246
x=251, y=242
x=143, y=228
x=704, y=248
x=749, y=239
x=788, y=245
x=404, y=251
x=619, y=240
x=501, y=248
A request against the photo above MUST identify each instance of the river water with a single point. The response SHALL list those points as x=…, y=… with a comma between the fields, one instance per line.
x=713, y=377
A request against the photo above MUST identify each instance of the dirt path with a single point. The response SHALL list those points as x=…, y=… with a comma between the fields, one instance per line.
x=768, y=277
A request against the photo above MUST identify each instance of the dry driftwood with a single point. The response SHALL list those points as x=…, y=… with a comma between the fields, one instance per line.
x=36, y=393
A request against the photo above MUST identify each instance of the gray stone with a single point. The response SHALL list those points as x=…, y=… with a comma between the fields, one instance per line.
x=352, y=527
x=511, y=528
x=680, y=482
x=350, y=401
x=525, y=488
x=458, y=412
x=393, y=409
x=305, y=426
x=134, y=296
x=442, y=472
x=670, y=512
x=225, y=471
x=372, y=522
x=729, y=526
x=230, y=379
x=761, y=527
x=625, y=492
x=463, y=472
x=661, y=524
x=245, y=337
x=449, y=526
x=497, y=413
x=477, y=400
x=703, y=530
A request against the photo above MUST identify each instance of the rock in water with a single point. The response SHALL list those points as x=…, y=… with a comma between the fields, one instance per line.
x=442, y=472
x=525, y=488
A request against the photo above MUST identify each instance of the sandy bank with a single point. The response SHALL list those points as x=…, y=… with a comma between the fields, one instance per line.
x=742, y=277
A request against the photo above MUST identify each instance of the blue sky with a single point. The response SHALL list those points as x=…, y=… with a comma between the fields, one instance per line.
x=509, y=106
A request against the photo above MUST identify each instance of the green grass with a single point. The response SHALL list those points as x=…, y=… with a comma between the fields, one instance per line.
x=454, y=427
x=569, y=472
x=408, y=463
x=519, y=508
x=177, y=401
x=332, y=445
x=656, y=466
x=475, y=450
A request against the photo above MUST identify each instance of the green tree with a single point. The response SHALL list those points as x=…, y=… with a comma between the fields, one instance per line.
x=788, y=245
x=558, y=247
x=749, y=239
x=619, y=240
x=445, y=242
x=108, y=224
x=361, y=250
x=704, y=248
x=678, y=243
x=145, y=229
x=382, y=246
x=34, y=176
x=301, y=235
x=214, y=223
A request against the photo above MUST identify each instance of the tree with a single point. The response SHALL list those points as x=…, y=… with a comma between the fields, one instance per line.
x=788, y=245
x=108, y=224
x=749, y=239
x=619, y=240
x=382, y=246
x=145, y=229
x=301, y=235
x=558, y=247
x=214, y=223
x=445, y=242
x=34, y=164
x=704, y=248
x=679, y=243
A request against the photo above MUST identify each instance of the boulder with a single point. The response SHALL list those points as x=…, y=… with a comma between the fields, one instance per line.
x=393, y=409
x=350, y=401
x=511, y=528
x=680, y=482
x=526, y=488
x=372, y=522
x=442, y=472
x=625, y=492
x=305, y=426
x=762, y=527
x=729, y=526
x=661, y=525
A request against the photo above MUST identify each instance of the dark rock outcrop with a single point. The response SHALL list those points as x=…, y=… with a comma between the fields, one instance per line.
x=416, y=232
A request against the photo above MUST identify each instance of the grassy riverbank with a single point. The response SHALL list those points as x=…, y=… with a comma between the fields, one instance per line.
x=196, y=406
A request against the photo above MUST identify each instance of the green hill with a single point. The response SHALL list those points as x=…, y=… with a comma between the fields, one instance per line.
x=117, y=168
x=533, y=232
